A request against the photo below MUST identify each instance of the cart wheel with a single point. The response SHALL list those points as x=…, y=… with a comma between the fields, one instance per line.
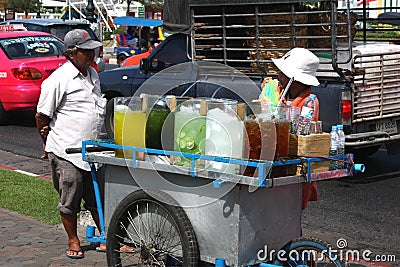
x=145, y=231
x=311, y=252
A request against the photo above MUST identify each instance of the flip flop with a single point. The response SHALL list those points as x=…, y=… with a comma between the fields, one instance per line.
x=98, y=249
x=77, y=251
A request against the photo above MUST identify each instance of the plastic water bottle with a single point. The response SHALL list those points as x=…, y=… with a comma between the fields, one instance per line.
x=307, y=112
x=334, y=147
x=342, y=140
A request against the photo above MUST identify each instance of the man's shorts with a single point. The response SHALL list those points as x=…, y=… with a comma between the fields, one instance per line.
x=73, y=184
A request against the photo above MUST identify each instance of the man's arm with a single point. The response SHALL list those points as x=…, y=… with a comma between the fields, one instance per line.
x=42, y=124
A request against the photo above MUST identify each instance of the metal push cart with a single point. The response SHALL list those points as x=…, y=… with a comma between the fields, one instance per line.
x=158, y=214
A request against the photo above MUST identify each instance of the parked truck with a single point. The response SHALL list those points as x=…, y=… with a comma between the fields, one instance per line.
x=360, y=81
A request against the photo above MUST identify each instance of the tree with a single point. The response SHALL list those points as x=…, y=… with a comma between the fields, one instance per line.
x=155, y=4
x=2, y=4
x=23, y=5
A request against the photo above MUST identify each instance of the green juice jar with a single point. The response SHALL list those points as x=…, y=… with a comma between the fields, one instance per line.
x=190, y=130
x=157, y=112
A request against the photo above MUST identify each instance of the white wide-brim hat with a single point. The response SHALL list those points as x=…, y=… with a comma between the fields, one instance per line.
x=301, y=64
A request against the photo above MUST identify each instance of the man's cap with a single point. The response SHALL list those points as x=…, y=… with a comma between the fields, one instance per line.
x=81, y=39
x=301, y=64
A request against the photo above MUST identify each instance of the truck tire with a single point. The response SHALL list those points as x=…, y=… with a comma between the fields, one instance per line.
x=154, y=233
x=120, y=59
x=4, y=116
x=308, y=251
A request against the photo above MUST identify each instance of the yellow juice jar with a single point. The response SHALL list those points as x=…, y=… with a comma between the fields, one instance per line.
x=129, y=124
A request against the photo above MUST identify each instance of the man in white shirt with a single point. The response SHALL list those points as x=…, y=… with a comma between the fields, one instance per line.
x=71, y=109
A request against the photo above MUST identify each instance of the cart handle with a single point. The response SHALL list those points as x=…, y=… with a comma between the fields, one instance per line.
x=73, y=150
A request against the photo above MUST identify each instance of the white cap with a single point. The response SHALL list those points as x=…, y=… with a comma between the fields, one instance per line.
x=301, y=64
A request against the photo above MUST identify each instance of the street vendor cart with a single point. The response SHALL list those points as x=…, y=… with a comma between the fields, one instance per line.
x=171, y=215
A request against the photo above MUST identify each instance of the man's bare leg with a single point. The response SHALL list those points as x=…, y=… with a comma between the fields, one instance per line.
x=70, y=225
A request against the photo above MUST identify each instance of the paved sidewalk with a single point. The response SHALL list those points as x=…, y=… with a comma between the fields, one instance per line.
x=27, y=242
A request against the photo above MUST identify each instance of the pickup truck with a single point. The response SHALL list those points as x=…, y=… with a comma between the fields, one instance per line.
x=360, y=82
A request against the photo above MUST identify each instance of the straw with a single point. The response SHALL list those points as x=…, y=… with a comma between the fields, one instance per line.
x=284, y=93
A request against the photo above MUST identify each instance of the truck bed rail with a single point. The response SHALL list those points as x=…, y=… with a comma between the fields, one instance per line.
x=377, y=86
x=246, y=37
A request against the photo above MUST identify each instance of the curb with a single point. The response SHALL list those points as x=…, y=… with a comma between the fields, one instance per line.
x=26, y=165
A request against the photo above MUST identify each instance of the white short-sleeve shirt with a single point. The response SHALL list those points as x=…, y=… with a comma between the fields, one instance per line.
x=76, y=108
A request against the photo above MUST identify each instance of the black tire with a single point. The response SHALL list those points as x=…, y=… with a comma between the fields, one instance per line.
x=4, y=115
x=109, y=119
x=160, y=234
x=120, y=59
x=364, y=153
x=306, y=251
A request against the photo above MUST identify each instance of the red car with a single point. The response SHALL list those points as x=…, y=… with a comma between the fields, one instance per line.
x=27, y=58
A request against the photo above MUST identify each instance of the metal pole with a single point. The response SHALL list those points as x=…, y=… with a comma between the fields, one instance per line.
x=69, y=9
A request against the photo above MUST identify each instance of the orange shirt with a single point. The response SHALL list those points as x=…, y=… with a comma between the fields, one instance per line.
x=310, y=192
x=302, y=98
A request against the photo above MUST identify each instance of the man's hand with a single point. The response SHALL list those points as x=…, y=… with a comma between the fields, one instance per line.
x=44, y=132
x=44, y=155
x=42, y=124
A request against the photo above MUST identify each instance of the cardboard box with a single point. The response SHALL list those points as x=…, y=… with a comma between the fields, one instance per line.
x=313, y=145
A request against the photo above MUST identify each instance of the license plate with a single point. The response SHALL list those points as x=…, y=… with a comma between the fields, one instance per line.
x=389, y=126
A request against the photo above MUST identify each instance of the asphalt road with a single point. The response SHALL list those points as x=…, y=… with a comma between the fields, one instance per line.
x=364, y=209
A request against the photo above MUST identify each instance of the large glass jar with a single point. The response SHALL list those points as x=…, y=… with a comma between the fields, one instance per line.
x=267, y=134
x=190, y=130
x=224, y=131
x=157, y=111
x=129, y=124
x=281, y=118
x=160, y=120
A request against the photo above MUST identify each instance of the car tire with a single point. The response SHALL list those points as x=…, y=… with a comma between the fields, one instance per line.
x=120, y=59
x=109, y=119
x=4, y=116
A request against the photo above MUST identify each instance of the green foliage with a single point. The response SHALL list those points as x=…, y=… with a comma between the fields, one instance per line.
x=31, y=196
x=107, y=34
x=156, y=4
x=23, y=5
x=379, y=35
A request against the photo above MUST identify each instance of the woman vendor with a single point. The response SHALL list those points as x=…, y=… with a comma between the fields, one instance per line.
x=301, y=65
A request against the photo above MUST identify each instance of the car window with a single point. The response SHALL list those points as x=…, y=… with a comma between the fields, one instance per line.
x=32, y=47
x=33, y=27
x=59, y=30
x=179, y=55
